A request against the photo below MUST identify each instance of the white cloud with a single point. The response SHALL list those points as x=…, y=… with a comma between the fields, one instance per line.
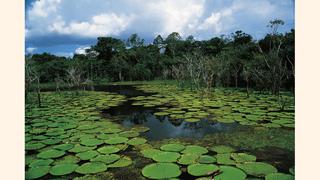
x=43, y=8
x=81, y=50
x=30, y=49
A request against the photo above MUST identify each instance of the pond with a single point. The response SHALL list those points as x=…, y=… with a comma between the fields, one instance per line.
x=120, y=131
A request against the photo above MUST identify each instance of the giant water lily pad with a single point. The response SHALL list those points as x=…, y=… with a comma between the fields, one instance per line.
x=222, y=149
x=202, y=169
x=107, y=159
x=91, y=142
x=79, y=148
x=108, y=149
x=206, y=159
x=279, y=176
x=137, y=141
x=69, y=159
x=150, y=152
x=91, y=168
x=41, y=162
x=63, y=169
x=129, y=134
x=87, y=155
x=37, y=172
x=194, y=150
x=64, y=147
x=258, y=169
x=187, y=159
x=122, y=162
x=51, y=153
x=161, y=171
x=243, y=157
x=116, y=140
x=166, y=157
x=34, y=145
x=172, y=147
x=229, y=173
x=225, y=159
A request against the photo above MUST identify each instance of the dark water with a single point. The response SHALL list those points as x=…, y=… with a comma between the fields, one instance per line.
x=161, y=127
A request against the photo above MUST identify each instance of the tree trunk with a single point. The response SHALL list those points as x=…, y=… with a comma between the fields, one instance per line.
x=38, y=92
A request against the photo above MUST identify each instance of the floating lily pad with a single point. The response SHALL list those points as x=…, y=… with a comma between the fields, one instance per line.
x=229, y=173
x=140, y=129
x=225, y=159
x=51, y=141
x=129, y=134
x=191, y=120
x=91, y=142
x=108, y=149
x=243, y=157
x=87, y=155
x=150, y=152
x=258, y=169
x=79, y=148
x=63, y=169
x=37, y=172
x=116, y=140
x=202, y=169
x=34, y=145
x=161, y=171
x=222, y=149
x=122, y=162
x=69, y=159
x=107, y=159
x=187, y=159
x=194, y=150
x=172, y=147
x=91, y=168
x=51, y=153
x=41, y=162
x=166, y=157
x=206, y=159
x=64, y=147
x=279, y=176
x=137, y=141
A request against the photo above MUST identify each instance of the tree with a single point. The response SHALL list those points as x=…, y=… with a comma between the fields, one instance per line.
x=134, y=41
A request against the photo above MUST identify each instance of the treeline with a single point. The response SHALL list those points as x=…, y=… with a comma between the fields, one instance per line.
x=236, y=60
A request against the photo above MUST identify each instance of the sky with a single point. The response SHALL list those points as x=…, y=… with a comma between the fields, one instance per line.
x=66, y=27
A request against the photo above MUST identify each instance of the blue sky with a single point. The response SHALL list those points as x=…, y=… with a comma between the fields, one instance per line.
x=65, y=27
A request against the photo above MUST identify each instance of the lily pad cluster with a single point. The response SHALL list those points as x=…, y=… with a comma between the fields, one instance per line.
x=68, y=136
x=223, y=106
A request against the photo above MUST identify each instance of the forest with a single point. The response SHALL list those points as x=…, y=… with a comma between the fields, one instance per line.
x=235, y=60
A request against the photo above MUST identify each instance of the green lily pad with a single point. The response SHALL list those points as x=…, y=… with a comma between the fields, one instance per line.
x=258, y=169
x=194, y=150
x=225, y=159
x=150, y=152
x=108, y=149
x=243, y=157
x=91, y=168
x=187, y=159
x=229, y=172
x=63, y=169
x=122, y=162
x=34, y=145
x=166, y=157
x=161, y=171
x=116, y=140
x=129, y=134
x=79, y=148
x=137, y=141
x=51, y=141
x=172, y=147
x=37, y=172
x=87, y=155
x=107, y=159
x=41, y=162
x=51, y=153
x=64, y=147
x=206, y=159
x=202, y=169
x=140, y=129
x=279, y=176
x=191, y=120
x=69, y=159
x=222, y=149
x=91, y=142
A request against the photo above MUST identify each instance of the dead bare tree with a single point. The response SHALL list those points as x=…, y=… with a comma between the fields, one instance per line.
x=31, y=76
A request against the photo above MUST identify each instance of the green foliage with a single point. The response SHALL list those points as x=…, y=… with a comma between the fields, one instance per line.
x=91, y=168
x=202, y=169
x=63, y=169
x=161, y=171
x=229, y=172
x=37, y=172
x=258, y=169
